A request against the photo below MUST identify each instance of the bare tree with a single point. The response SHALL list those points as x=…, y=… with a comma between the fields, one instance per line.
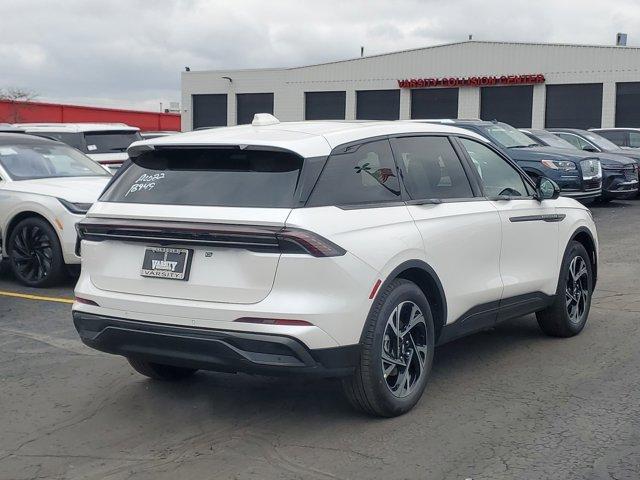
x=16, y=97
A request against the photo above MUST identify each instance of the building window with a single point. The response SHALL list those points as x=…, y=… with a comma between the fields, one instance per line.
x=628, y=104
x=324, y=105
x=574, y=106
x=512, y=105
x=434, y=103
x=209, y=110
x=248, y=104
x=378, y=104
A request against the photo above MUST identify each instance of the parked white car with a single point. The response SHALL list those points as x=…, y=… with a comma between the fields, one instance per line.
x=325, y=248
x=106, y=143
x=46, y=187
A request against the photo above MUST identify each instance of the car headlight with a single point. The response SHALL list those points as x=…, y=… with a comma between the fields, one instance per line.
x=75, y=207
x=559, y=165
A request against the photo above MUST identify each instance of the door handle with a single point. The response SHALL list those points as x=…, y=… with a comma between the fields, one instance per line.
x=551, y=217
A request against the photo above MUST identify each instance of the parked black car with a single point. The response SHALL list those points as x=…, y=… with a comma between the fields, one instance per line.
x=578, y=175
x=622, y=137
x=619, y=174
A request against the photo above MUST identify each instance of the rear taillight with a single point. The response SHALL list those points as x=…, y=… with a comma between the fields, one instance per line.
x=250, y=237
x=293, y=240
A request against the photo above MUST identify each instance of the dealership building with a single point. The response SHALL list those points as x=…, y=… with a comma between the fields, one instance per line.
x=525, y=84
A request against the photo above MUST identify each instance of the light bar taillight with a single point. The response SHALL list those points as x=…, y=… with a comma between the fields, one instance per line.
x=274, y=321
x=250, y=237
x=291, y=240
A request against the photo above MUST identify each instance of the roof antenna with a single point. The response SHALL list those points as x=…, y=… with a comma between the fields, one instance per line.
x=361, y=52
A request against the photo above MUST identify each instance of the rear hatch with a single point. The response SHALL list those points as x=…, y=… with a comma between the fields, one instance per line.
x=109, y=147
x=193, y=223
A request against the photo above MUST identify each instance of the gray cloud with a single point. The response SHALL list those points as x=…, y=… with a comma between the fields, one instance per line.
x=130, y=52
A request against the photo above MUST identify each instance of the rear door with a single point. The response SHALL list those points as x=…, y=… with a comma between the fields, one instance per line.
x=195, y=224
x=461, y=231
x=529, y=251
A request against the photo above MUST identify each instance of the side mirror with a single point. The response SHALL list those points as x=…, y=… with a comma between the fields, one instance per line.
x=547, y=189
x=590, y=149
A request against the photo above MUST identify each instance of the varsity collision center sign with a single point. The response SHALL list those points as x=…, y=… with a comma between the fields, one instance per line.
x=472, y=81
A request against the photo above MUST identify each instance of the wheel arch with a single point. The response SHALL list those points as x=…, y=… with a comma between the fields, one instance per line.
x=17, y=218
x=584, y=236
x=425, y=277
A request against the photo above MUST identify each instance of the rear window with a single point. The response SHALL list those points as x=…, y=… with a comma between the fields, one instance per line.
x=209, y=177
x=73, y=139
x=109, y=142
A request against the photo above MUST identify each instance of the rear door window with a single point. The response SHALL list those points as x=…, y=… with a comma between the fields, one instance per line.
x=634, y=139
x=209, y=177
x=365, y=174
x=110, y=142
x=431, y=168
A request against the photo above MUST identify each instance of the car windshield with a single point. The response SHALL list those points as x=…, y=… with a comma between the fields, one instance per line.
x=109, y=142
x=600, y=141
x=27, y=162
x=508, y=137
x=553, y=140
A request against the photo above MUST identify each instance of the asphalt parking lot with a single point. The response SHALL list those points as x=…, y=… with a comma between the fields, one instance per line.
x=508, y=403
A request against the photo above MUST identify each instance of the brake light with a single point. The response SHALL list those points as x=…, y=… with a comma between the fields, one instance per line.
x=251, y=237
x=274, y=321
x=291, y=240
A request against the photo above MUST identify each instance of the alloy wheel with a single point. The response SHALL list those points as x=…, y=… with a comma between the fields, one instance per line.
x=577, y=289
x=404, y=349
x=32, y=253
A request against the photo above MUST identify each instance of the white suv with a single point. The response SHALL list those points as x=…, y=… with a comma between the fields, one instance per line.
x=106, y=143
x=328, y=248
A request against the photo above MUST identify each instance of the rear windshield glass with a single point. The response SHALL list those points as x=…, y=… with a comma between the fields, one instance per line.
x=209, y=177
x=73, y=139
x=109, y=142
x=27, y=162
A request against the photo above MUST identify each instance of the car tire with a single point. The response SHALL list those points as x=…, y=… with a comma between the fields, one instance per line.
x=568, y=314
x=158, y=371
x=35, y=254
x=381, y=385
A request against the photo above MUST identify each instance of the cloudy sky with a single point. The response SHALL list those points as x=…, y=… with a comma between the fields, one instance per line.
x=130, y=52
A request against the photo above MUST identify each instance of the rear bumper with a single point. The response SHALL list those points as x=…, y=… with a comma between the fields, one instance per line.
x=209, y=349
